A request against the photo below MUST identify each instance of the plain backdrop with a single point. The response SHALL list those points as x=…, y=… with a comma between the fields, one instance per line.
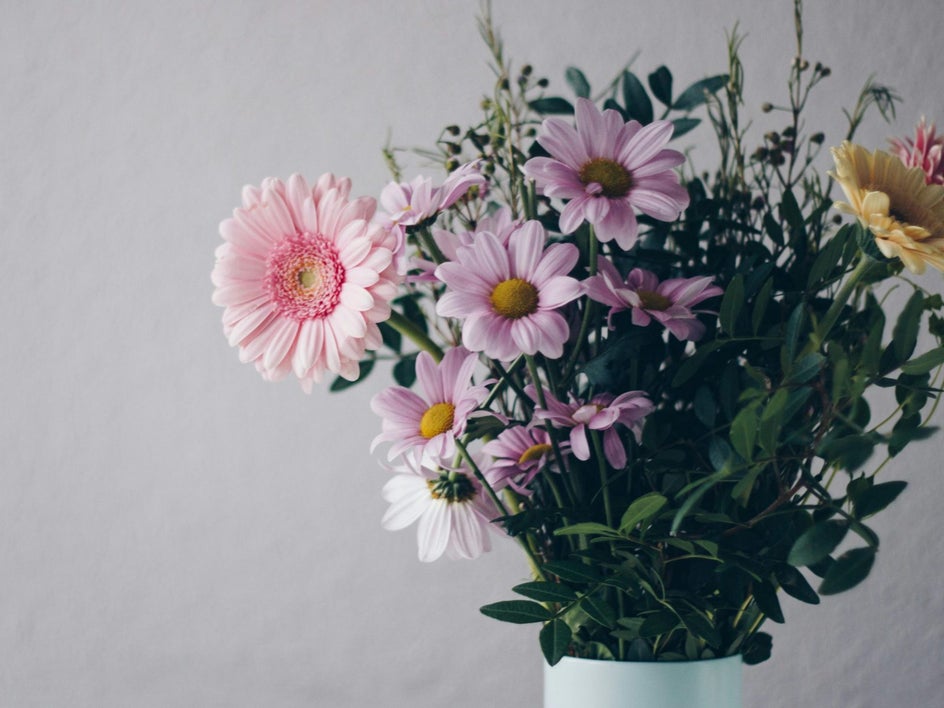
x=176, y=532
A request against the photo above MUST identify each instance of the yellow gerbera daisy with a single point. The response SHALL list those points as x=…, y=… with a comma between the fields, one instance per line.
x=905, y=215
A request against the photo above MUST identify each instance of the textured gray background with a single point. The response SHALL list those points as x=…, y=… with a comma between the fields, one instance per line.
x=174, y=531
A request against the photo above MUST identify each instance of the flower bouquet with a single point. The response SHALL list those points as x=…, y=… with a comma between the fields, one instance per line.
x=657, y=380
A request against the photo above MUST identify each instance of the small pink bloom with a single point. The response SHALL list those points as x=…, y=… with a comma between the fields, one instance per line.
x=453, y=510
x=519, y=453
x=602, y=412
x=507, y=296
x=433, y=421
x=606, y=168
x=304, y=278
x=412, y=203
x=924, y=152
x=500, y=223
x=669, y=302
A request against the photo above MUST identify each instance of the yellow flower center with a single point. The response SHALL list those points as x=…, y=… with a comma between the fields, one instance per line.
x=653, y=301
x=533, y=453
x=309, y=278
x=515, y=298
x=613, y=178
x=437, y=419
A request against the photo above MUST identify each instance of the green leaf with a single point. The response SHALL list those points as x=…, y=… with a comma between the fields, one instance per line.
x=758, y=648
x=680, y=126
x=827, y=260
x=924, y=363
x=689, y=367
x=850, y=569
x=552, y=105
x=636, y=100
x=790, y=212
x=817, y=542
x=905, y=332
x=743, y=432
x=573, y=572
x=701, y=626
x=660, y=83
x=516, y=611
x=791, y=334
x=339, y=384
x=544, y=591
x=766, y=598
x=795, y=585
x=599, y=610
x=806, y=368
x=760, y=305
x=555, y=639
x=873, y=500
x=587, y=528
x=773, y=229
x=698, y=92
x=404, y=371
x=578, y=82
x=658, y=623
x=706, y=409
x=731, y=304
x=641, y=510
x=392, y=339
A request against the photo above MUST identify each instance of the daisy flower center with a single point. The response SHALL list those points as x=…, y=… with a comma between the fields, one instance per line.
x=653, y=301
x=515, y=298
x=534, y=453
x=437, y=419
x=451, y=486
x=304, y=277
x=614, y=179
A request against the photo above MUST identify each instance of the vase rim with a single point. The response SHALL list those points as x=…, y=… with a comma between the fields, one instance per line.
x=654, y=663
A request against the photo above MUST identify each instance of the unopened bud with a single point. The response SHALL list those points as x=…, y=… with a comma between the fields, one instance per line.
x=766, y=107
x=452, y=129
x=543, y=83
x=526, y=70
x=817, y=138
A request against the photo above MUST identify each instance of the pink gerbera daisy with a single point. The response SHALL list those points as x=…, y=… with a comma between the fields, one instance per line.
x=924, y=152
x=519, y=453
x=507, y=297
x=304, y=277
x=669, y=302
x=453, y=510
x=432, y=421
x=606, y=168
x=602, y=412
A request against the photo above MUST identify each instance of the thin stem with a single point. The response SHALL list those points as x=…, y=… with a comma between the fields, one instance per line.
x=409, y=330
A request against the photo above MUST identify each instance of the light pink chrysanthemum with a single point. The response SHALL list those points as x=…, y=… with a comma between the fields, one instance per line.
x=453, y=510
x=411, y=203
x=669, y=302
x=304, y=277
x=434, y=420
x=925, y=151
x=519, y=453
x=507, y=296
x=602, y=413
x=606, y=168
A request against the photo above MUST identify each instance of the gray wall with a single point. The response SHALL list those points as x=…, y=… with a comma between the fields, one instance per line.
x=174, y=531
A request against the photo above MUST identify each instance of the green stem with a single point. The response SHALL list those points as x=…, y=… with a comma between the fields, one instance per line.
x=587, y=312
x=409, y=330
x=842, y=297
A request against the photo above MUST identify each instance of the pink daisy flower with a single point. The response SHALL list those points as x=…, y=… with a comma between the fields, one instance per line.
x=453, y=510
x=606, y=168
x=519, y=453
x=500, y=223
x=670, y=302
x=411, y=203
x=304, y=278
x=507, y=296
x=434, y=420
x=602, y=412
x=924, y=152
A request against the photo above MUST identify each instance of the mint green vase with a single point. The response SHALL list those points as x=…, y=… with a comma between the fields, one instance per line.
x=588, y=683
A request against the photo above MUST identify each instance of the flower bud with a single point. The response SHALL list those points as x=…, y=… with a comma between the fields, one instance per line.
x=766, y=107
